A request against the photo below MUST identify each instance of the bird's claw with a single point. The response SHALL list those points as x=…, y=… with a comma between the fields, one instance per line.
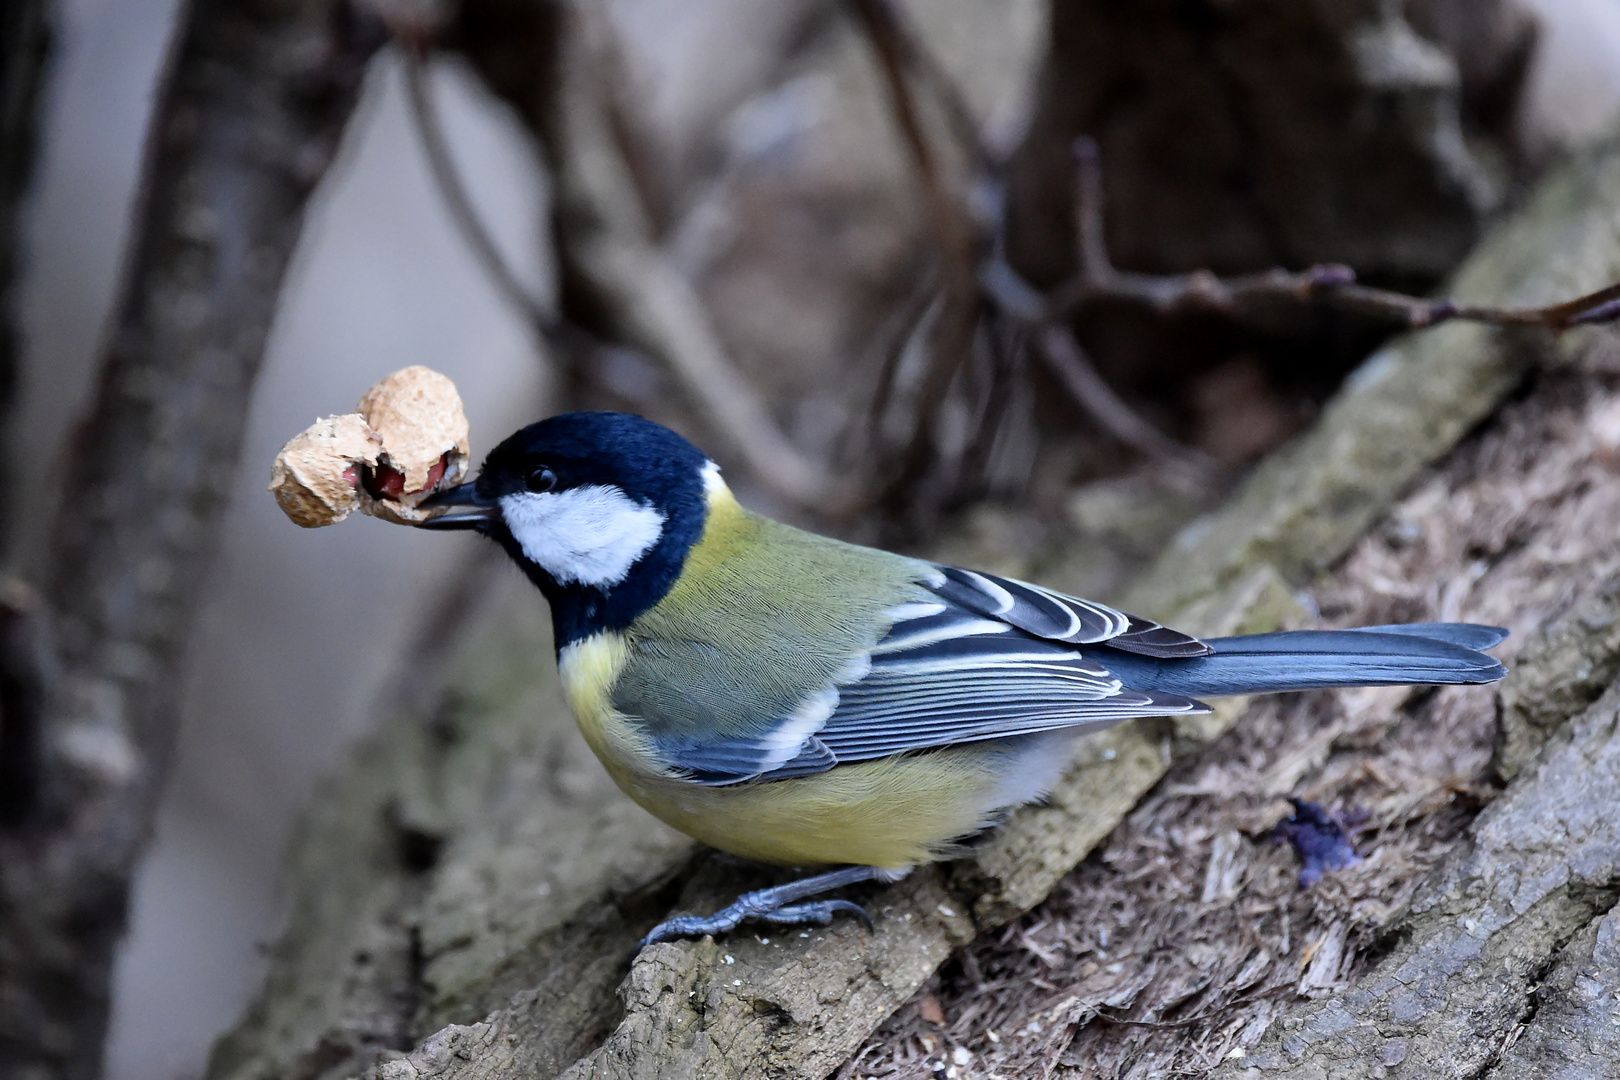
x=820, y=912
x=817, y=913
x=778, y=905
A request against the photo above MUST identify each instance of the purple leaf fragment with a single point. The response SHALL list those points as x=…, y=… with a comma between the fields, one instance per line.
x=1320, y=839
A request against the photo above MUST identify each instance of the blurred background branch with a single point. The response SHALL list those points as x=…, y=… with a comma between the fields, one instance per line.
x=617, y=282
x=25, y=34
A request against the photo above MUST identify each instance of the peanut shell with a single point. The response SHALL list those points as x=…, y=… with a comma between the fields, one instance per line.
x=316, y=477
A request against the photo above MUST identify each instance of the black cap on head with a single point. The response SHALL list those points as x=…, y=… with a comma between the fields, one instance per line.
x=647, y=461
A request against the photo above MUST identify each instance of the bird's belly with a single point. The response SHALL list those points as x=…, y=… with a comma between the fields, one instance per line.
x=894, y=812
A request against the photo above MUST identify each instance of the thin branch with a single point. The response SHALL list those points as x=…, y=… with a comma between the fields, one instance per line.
x=895, y=338
x=646, y=296
x=991, y=276
x=1096, y=280
x=609, y=252
x=956, y=233
x=1329, y=283
x=1004, y=342
x=900, y=39
x=425, y=115
x=1091, y=244
x=1064, y=357
x=566, y=339
x=1059, y=348
x=897, y=54
x=1592, y=309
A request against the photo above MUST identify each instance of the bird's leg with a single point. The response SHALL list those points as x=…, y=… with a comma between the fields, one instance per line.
x=776, y=905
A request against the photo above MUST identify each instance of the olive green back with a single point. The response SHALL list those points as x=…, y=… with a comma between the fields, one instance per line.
x=763, y=616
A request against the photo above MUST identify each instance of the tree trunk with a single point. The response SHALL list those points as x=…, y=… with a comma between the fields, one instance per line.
x=25, y=34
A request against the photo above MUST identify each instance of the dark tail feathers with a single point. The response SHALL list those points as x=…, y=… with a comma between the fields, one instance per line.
x=1415, y=654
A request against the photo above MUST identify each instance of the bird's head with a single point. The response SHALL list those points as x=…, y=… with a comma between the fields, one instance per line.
x=598, y=508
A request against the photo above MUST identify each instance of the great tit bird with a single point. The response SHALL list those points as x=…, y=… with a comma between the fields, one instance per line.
x=795, y=699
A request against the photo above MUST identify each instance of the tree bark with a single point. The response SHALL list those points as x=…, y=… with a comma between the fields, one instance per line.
x=25, y=35
x=1538, y=868
x=249, y=119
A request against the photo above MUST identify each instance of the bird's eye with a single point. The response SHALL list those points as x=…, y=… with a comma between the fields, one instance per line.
x=541, y=480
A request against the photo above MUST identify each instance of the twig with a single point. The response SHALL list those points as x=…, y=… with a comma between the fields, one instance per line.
x=425, y=115
x=903, y=325
x=1096, y=280
x=902, y=41
x=897, y=54
x=1004, y=343
x=649, y=299
x=650, y=302
x=991, y=277
x=566, y=339
x=1091, y=245
x=1064, y=357
x=1330, y=283
x=1018, y=300
x=956, y=233
x=1592, y=309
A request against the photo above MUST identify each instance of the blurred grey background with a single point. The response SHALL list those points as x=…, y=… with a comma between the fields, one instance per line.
x=294, y=618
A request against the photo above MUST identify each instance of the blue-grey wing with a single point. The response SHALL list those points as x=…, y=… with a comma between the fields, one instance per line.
x=957, y=675
x=1056, y=617
x=979, y=658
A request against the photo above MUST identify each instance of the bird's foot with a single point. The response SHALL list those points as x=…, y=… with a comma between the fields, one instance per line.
x=820, y=913
x=776, y=905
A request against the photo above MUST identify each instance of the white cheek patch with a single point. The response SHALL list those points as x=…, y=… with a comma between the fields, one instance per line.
x=589, y=535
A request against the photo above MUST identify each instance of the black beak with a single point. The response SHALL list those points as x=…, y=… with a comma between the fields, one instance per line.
x=464, y=509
